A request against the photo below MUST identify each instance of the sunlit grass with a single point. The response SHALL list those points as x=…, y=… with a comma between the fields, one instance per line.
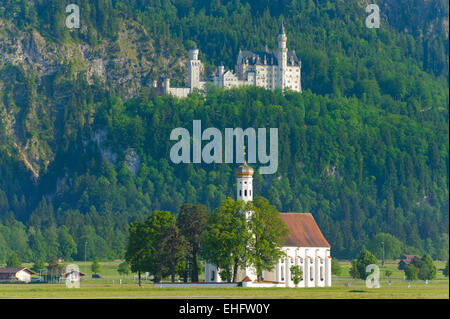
x=344, y=287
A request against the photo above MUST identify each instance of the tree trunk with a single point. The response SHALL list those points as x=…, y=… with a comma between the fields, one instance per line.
x=186, y=271
x=139, y=275
x=235, y=270
x=194, y=266
x=172, y=273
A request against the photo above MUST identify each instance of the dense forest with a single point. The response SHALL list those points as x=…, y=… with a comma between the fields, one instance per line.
x=364, y=148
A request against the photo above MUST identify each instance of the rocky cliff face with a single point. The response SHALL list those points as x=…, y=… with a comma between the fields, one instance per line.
x=31, y=62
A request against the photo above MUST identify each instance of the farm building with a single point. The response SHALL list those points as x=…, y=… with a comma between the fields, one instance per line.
x=15, y=274
x=406, y=261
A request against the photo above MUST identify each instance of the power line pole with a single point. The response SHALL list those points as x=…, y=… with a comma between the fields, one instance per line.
x=85, y=266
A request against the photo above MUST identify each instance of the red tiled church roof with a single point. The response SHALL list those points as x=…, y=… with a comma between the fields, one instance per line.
x=303, y=231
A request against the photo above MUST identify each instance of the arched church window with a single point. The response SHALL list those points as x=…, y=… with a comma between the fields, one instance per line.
x=321, y=273
x=245, y=193
x=240, y=192
x=213, y=275
x=311, y=273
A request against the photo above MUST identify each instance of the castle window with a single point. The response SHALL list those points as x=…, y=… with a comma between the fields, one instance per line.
x=245, y=193
x=213, y=275
x=250, y=192
x=311, y=271
x=321, y=273
x=240, y=192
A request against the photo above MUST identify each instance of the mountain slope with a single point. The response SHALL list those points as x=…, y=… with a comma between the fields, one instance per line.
x=84, y=144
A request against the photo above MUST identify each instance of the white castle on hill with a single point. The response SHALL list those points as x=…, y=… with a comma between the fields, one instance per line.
x=305, y=247
x=278, y=69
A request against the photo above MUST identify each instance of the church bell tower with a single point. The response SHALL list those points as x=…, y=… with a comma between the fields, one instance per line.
x=244, y=182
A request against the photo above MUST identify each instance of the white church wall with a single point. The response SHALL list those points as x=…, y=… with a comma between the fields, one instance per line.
x=314, y=263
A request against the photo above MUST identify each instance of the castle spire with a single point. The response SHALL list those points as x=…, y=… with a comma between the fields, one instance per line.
x=282, y=31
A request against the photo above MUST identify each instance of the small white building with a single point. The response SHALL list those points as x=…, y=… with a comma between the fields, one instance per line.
x=305, y=247
x=16, y=274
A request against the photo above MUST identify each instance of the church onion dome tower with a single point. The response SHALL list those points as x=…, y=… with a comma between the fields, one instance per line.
x=244, y=182
x=244, y=170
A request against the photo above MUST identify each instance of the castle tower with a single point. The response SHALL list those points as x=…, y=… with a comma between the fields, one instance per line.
x=220, y=73
x=282, y=56
x=166, y=86
x=194, y=67
x=244, y=182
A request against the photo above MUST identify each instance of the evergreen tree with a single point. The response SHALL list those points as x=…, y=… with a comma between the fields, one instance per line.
x=95, y=267
x=365, y=258
x=13, y=261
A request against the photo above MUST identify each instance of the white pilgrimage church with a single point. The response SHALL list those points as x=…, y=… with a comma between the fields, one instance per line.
x=305, y=246
x=277, y=69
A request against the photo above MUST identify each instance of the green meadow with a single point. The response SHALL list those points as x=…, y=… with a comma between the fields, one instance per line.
x=344, y=287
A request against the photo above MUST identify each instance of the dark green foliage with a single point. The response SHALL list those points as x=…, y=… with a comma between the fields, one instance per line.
x=445, y=271
x=393, y=248
x=54, y=269
x=95, y=266
x=191, y=222
x=38, y=266
x=13, y=261
x=411, y=272
x=375, y=107
x=124, y=268
x=297, y=274
x=226, y=239
x=388, y=273
x=365, y=258
x=156, y=246
x=426, y=267
x=268, y=235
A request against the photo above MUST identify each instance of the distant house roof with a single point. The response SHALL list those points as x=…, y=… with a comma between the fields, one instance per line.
x=409, y=258
x=15, y=270
x=265, y=58
x=303, y=231
x=253, y=58
x=247, y=279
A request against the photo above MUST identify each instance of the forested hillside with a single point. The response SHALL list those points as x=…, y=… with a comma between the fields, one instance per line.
x=84, y=143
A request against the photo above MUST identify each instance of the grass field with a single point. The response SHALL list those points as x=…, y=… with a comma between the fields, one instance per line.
x=343, y=287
